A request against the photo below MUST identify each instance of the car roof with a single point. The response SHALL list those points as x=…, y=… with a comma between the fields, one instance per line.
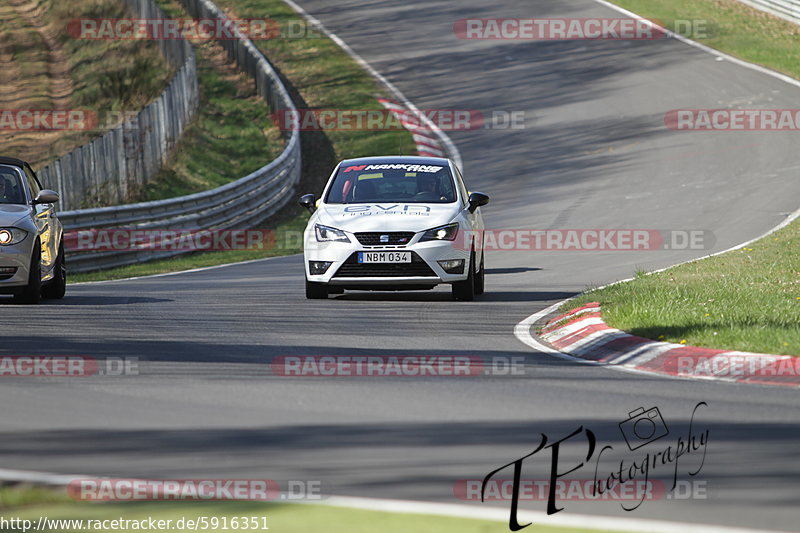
x=11, y=161
x=396, y=159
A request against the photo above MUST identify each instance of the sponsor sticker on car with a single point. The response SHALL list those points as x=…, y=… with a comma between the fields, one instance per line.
x=409, y=168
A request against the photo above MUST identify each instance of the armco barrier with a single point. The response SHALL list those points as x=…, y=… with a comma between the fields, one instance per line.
x=787, y=9
x=112, y=167
x=240, y=204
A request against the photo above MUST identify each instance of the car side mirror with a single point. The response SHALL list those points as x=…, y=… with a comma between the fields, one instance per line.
x=308, y=201
x=476, y=200
x=46, y=196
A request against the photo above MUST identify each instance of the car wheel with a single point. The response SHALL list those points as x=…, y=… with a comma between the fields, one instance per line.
x=57, y=287
x=480, y=277
x=32, y=292
x=316, y=291
x=465, y=290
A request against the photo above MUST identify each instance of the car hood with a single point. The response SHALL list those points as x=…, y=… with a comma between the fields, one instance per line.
x=10, y=214
x=389, y=216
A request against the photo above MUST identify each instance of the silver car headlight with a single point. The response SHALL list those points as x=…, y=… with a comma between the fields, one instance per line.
x=328, y=234
x=442, y=233
x=10, y=236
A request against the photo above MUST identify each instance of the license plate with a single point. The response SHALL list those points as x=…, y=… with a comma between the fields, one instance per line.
x=384, y=257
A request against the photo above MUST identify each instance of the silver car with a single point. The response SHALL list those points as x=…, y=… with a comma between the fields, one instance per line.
x=32, y=263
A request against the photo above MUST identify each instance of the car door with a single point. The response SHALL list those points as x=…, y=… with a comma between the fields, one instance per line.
x=475, y=219
x=48, y=225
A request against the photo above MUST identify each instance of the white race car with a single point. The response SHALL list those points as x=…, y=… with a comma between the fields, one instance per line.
x=394, y=223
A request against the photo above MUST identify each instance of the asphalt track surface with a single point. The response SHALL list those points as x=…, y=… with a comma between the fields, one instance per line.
x=594, y=154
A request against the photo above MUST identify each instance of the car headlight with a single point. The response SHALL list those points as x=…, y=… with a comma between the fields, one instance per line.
x=442, y=233
x=9, y=236
x=328, y=234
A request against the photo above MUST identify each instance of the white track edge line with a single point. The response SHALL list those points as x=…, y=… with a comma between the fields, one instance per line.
x=453, y=510
x=590, y=522
x=401, y=506
x=165, y=274
x=703, y=47
x=451, y=147
x=522, y=331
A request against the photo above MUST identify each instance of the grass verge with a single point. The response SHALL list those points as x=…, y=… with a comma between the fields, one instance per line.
x=287, y=227
x=731, y=27
x=747, y=299
x=230, y=137
x=47, y=68
x=220, y=516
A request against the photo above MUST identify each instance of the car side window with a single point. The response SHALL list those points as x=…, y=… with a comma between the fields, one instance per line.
x=461, y=186
x=11, y=191
x=33, y=183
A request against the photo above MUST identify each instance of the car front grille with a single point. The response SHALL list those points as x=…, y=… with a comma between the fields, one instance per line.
x=373, y=238
x=353, y=269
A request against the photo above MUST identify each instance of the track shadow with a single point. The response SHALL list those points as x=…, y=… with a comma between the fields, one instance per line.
x=445, y=296
x=427, y=458
x=93, y=300
x=511, y=270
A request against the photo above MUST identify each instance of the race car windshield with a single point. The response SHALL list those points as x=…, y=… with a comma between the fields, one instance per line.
x=392, y=183
x=11, y=191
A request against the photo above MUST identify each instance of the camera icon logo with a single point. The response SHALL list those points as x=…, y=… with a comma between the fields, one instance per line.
x=643, y=427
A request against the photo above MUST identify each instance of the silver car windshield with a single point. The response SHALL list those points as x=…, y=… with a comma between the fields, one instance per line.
x=11, y=188
x=388, y=183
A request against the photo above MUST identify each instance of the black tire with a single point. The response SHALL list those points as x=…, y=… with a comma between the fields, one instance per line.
x=316, y=291
x=465, y=290
x=32, y=293
x=56, y=288
x=480, y=277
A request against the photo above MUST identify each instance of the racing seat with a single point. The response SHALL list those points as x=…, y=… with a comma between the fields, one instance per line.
x=12, y=194
x=365, y=190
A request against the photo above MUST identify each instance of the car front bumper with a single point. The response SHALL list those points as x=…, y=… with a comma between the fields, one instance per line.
x=424, y=271
x=15, y=256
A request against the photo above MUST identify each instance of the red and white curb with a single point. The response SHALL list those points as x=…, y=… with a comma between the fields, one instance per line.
x=443, y=142
x=424, y=137
x=582, y=333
